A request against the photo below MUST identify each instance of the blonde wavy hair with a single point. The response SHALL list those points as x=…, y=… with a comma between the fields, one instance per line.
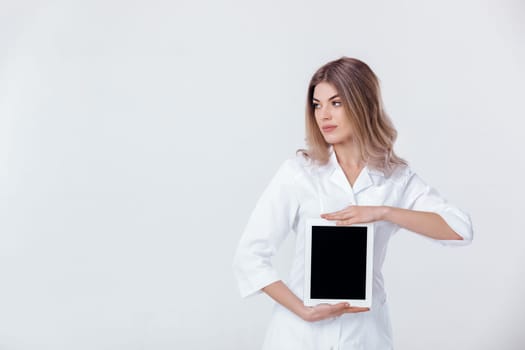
x=358, y=88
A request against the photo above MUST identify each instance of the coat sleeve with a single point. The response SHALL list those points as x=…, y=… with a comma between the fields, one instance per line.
x=269, y=224
x=419, y=196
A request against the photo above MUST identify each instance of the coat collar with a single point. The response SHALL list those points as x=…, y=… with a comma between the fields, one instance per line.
x=366, y=178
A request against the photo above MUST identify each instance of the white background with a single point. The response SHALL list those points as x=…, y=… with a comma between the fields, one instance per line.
x=136, y=137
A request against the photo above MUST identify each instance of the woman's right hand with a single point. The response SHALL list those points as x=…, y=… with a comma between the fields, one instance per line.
x=325, y=311
x=284, y=296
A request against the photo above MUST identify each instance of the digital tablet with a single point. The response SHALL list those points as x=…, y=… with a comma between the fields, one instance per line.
x=338, y=263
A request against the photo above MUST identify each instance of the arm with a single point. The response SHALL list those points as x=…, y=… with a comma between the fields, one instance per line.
x=270, y=222
x=426, y=223
x=421, y=210
x=279, y=292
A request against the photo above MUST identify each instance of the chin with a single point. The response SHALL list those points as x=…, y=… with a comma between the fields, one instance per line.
x=332, y=140
x=335, y=139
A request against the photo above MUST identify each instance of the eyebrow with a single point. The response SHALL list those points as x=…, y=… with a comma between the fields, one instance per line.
x=328, y=99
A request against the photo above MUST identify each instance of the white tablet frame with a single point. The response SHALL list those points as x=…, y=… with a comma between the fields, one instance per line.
x=367, y=302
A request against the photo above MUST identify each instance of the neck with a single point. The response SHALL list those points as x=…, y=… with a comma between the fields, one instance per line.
x=348, y=155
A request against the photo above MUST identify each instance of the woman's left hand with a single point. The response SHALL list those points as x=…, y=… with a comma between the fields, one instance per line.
x=356, y=214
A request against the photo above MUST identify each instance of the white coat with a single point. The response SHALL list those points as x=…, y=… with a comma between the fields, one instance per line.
x=300, y=191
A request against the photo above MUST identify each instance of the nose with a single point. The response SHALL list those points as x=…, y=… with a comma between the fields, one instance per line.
x=324, y=113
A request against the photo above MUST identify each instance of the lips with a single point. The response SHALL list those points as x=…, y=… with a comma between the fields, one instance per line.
x=328, y=128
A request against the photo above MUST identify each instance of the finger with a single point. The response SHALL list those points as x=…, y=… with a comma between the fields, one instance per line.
x=355, y=309
x=331, y=215
x=337, y=218
x=336, y=213
x=347, y=222
x=351, y=309
x=343, y=216
x=335, y=308
x=342, y=304
x=338, y=309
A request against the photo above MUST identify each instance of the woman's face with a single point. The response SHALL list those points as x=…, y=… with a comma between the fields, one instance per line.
x=330, y=114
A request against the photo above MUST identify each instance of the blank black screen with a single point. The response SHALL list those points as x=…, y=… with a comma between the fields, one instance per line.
x=338, y=262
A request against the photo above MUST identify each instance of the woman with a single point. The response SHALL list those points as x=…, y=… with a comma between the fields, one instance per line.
x=349, y=174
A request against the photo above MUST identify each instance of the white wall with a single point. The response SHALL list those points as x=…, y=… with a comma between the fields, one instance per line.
x=136, y=136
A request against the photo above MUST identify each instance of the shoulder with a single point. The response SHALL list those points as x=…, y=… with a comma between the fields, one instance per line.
x=297, y=167
x=400, y=175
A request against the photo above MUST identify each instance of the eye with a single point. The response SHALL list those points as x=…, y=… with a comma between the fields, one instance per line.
x=337, y=103
x=315, y=105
